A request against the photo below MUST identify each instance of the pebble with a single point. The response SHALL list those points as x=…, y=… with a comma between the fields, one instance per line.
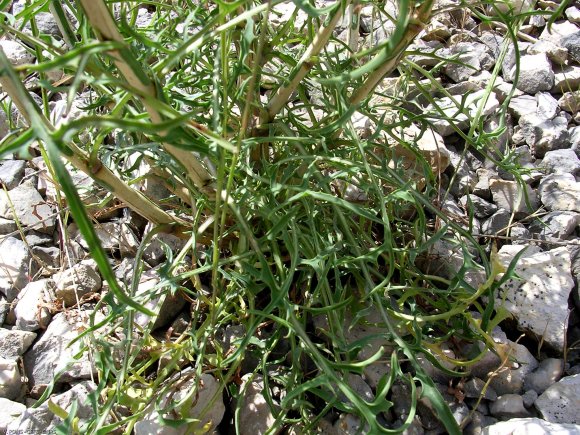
x=509, y=406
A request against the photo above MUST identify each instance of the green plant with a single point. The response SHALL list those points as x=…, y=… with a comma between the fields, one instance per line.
x=219, y=103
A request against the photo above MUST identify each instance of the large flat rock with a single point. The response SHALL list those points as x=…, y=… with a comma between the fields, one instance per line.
x=539, y=300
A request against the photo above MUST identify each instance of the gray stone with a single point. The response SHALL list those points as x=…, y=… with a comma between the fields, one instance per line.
x=570, y=102
x=4, y=309
x=557, y=54
x=9, y=411
x=539, y=300
x=556, y=225
x=531, y=426
x=472, y=58
x=48, y=258
x=574, y=134
x=497, y=224
x=14, y=343
x=34, y=238
x=511, y=196
x=159, y=300
x=255, y=415
x=14, y=267
x=546, y=106
x=519, y=232
x=524, y=105
x=4, y=124
x=481, y=208
x=544, y=135
x=561, y=401
x=7, y=226
x=560, y=192
x=112, y=235
x=16, y=53
x=507, y=366
x=11, y=385
x=33, y=309
x=42, y=420
x=349, y=424
x=11, y=173
x=360, y=388
x=509, y=406
x=561, y=162
x=76, y=282
x=154, y=253
x=464, y=179
x=566, y=78
x=536, y=74
x=548, y=373
x=564, y=34
x=481, y=188
x=478, y=422
x=459, y=115
x=529, y=398
x=474, y=389
x=53, y=354
x=207, y=407
x=30, y=208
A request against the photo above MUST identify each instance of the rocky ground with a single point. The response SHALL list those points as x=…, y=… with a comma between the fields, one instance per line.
x=48, y=285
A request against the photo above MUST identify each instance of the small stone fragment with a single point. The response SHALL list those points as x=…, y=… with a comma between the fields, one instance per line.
x=509, y=406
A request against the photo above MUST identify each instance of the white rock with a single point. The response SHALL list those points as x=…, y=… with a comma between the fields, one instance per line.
x=560, y=192
x=13, y=343
x=204, y=394
x=560, y=402
x=15, y=52
x=573, y=14
x=30, y=208
x=536, y=74
x=564, y=34
x=255, y=415
x=543, y=135
x=52, y=352
x=555, y=53
x=570, y=102
x=473, y=57
x=530, y=426
x=11, y=172
x=42, y=420
x=33, y=307
x=539, y=301
x=74, y=283
x=561, y=162
x=566, y=78
x=11, y=384
x=14, y=266
x=9, y=411
x=458, y=114
x=510, y=196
